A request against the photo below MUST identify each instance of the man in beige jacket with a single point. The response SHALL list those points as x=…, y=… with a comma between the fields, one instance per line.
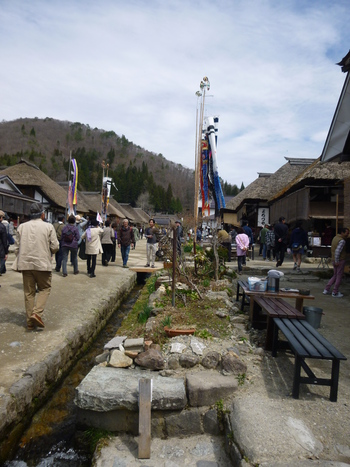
x=36, y=242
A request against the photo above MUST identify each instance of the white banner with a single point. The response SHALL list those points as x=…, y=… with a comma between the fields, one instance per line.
x=263, y=216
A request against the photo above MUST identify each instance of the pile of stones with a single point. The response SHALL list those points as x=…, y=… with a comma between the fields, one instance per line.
x=180, y=354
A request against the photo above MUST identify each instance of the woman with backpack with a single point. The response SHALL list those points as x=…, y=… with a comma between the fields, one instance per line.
x=242, y=243
x=69, y=243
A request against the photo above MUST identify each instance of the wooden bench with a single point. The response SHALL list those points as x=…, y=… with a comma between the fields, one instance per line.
x=306, y=342
x=264, y=309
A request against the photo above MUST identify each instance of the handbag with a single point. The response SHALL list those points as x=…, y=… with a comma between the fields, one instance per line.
x=82, y=254
x=296, y=246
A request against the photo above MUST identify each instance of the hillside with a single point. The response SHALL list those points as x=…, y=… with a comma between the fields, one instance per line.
x=48, y=143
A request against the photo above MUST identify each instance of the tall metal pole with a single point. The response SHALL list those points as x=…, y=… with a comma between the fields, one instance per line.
x=204, y=85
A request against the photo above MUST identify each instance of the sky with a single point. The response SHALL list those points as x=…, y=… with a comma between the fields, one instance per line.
x=134, y=66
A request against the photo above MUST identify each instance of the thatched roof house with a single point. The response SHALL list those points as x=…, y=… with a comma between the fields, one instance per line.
x=316, y=194
x=337, y=145
x=35, y=184
x=143, y=216
x=321, y=192
x=93, y=200
x=135, y=215
x=252, y=202
x=12, y=200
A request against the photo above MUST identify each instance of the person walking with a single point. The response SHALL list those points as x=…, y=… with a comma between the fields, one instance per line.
x=263, y=247
x=281, y=234
x=136, y=234
x=115, y=239
x=270, y=243
x=125, y=241
x=151, y=245
x=298, y=244
x=93, y=246
x=4, y=249
x=58, y=226
x=69, y=243
x=338, y=259
x=36, y=242
x=107, y=243
x=242, y=243
x=225, y=240
x=248, y=231
x=179, y=237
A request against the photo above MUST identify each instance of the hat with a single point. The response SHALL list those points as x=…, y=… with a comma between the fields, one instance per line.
x=178, y=222
x=2, y=214
x=77, y=219
x=36, y=209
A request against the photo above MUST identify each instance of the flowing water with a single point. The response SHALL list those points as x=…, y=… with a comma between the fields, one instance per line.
x=53, y=437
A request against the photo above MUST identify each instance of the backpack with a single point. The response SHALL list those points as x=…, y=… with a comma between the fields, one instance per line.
x=68, y=236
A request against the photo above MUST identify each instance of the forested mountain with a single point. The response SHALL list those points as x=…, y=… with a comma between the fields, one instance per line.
x=141, y=177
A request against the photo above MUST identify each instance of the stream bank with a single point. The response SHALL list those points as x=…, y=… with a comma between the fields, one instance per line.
x=32, y=364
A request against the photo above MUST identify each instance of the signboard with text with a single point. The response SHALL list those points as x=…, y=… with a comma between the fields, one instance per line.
x=263, y=216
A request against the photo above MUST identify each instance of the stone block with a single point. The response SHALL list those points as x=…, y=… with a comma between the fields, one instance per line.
x=207, y=387
x=105, y=389
x=210, y=423
x=115, y=342
x=186, y=423
x=134, y=344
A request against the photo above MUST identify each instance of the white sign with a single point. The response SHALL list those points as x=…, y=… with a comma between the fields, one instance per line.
x=263, y=216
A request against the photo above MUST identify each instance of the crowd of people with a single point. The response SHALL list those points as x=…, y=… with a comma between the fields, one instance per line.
x=37, y=241
x=277, y=240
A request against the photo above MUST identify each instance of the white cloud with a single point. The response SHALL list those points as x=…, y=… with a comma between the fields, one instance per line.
x=134, y=67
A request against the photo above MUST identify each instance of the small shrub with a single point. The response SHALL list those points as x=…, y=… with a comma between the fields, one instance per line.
x=166, y=322
x=203, y=334
x=241, y=379
x=143, y=316
x=188, y=248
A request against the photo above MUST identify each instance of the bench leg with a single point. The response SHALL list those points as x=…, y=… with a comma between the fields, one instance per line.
x=269, y=334
x=299, y=304
x=237, y=293
x=243, y=301
x=296, y=380
x=274, y=340
x=334, y=382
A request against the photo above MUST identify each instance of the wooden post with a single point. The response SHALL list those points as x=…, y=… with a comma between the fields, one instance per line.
x=145, y=398
x=174, y=266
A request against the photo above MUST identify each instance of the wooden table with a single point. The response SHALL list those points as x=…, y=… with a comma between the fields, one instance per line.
x=264, y=309
x=299, y=298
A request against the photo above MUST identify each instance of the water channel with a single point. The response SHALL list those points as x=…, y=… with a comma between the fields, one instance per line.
x=53, y=437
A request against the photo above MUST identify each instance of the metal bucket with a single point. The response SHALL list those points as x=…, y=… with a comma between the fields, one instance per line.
x=273, y=284
x=313, y=315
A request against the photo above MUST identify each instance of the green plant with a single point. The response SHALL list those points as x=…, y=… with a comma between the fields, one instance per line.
x=93, y=436
x=143, y=316
x=188, y=248
x=241, y=379
x=220, y=412
x=203, y=334
x=151, y=284
x=206, y=283
x=166, y=322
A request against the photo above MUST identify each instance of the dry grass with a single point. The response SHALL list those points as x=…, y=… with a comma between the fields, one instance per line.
x=189, y=312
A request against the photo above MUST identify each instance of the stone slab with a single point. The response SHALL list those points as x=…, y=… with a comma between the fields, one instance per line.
x=267, y=429
x=115, y=342
x=207, y=387
x=105, y=389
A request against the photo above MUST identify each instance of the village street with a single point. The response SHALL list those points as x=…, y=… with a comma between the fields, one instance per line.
x=27, y=359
